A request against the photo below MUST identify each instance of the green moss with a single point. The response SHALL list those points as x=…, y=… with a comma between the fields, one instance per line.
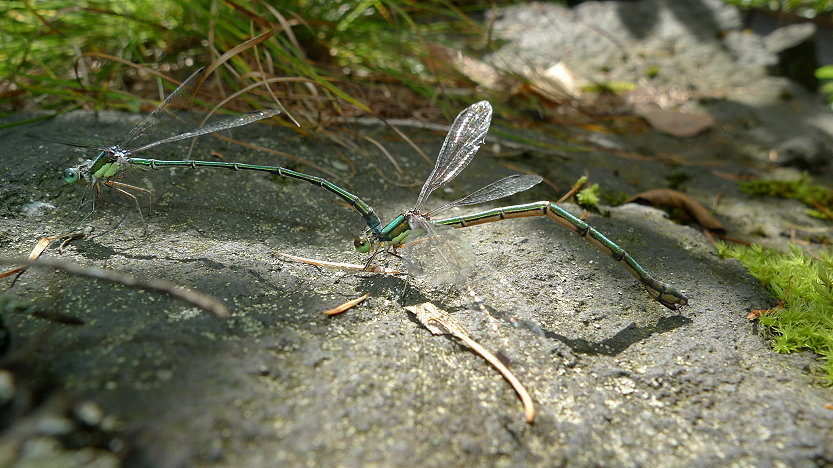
x=588, y=197
x=805, y=8
x=803, y=189
x=804, y=287
x=615, y=198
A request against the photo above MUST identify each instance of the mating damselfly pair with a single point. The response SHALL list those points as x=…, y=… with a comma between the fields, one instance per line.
x=464, y=138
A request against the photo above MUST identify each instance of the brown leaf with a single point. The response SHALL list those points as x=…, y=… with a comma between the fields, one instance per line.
x=441, y=57
x=756, y=314
x=667, y=198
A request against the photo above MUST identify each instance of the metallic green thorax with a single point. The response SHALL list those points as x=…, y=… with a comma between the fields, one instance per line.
x=396, y=231
x=92, y=170
x=103, y=166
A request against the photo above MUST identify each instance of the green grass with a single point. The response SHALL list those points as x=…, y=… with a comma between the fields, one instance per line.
x=818, y=197
x=803, y=286
x=369, y=56
x=41, y=41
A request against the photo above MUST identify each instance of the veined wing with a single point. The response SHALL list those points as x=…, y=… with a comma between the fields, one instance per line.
x=178, y=99
x=231, y=122
x=90, y=144
x=461, y=144
x=502, y=188
x=440, y=258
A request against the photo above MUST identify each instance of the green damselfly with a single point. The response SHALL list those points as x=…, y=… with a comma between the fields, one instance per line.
x=84, y=171
x=464, y=138
x=111, y=158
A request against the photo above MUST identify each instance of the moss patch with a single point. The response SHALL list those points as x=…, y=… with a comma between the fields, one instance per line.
x=804, y=287
x=818, y=197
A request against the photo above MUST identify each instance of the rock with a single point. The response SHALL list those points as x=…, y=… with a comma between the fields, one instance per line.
x=616, y=378
x=795, y=47
x=804, y=152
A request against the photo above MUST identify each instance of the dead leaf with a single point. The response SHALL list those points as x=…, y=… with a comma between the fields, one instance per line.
x=674, y=123
x=556, y=82
x=475, y=70
x=756, y=314
x=439, y=322
x=667, y=198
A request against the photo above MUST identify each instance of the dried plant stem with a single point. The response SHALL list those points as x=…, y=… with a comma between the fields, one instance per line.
x=440, y=322
x=199, y=299
x=343, y=266
x=347, y=305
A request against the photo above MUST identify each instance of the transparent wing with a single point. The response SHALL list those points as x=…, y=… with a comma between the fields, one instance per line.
x=237, y=121
x=88, y=143
x=439, y=258
x=461, y=144
x=178, y=99
x=502, y=188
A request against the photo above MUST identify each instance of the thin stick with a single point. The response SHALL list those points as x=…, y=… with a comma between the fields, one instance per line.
x=36, y=252
x=343, y=266
x=579, y=184
x=199, y=299
x=410, y=142
x=347, y=305
x=440, y=322
x=385, y=152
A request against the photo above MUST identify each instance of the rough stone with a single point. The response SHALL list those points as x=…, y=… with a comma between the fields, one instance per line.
x=795, y=47
x=617, y=378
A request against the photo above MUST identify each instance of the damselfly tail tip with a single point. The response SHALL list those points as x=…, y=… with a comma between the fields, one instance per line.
x=673, y=301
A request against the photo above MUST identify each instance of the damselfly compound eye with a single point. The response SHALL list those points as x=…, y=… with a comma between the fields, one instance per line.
x=71, y=175
x=361, y=244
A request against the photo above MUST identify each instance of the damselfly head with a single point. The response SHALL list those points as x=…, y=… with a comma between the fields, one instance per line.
x=80, y=172
x=362, y=244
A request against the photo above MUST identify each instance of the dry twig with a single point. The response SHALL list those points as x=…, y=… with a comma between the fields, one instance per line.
x=343, y=266
x=199, y=299
x=439, y=322
x=347, y=305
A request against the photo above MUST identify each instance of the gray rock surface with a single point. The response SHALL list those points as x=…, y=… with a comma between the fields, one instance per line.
x=617, y=378
x=795, y=47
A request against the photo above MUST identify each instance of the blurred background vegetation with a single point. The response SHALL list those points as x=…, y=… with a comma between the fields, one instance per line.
x=320, y=58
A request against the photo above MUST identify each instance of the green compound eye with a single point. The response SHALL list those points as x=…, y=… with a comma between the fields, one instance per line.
x=71, y=175
x=361, y=244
